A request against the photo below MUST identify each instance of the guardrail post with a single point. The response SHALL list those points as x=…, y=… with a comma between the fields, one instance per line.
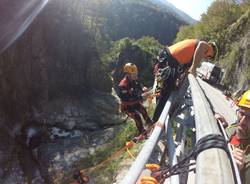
x=171, y=151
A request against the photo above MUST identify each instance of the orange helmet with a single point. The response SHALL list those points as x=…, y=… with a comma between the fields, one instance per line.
x=245, y=100
x=130, y=68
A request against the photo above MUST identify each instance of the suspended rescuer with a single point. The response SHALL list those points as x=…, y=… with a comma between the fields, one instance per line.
x=130, y=91
x=239, y=136
x=174, y=62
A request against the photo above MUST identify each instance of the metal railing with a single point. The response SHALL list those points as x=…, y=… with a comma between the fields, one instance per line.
x=212, y=165
x=139, y=164
x=171, y=152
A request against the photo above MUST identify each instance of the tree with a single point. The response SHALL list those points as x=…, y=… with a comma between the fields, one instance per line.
x=184, y=33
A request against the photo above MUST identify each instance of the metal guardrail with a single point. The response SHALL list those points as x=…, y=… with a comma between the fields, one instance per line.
x=139, y=164
x=171, y=152
x=236, y=169
x=212, y=165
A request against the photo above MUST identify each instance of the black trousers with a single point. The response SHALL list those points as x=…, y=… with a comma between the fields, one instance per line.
x=164, y=95
x=135, y=111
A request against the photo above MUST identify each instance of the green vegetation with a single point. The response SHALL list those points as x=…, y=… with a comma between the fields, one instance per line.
x=119, y=29
x=149, y=44
x=141, y=52
x=227, y=23
x=109, y=59
x=213, y=24
x=135, y=19
x=111, y=20
x=105, y=173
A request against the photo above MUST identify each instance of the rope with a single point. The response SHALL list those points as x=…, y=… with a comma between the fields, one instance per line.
x=148, y=180
x=210, y=141
x=153, y=167
x=207, y=142
x=128, y=145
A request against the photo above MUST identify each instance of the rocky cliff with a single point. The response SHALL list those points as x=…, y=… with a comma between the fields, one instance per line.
x=56, y=107
x=52, y=80
x=236, y=55
x=53, y=58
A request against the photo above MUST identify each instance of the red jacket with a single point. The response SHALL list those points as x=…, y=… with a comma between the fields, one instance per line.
x=130, y=91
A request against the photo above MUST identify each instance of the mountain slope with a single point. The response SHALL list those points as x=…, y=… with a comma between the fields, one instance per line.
x=227, y=23
x=53, y=76
x=168, y=7
x=117, y=19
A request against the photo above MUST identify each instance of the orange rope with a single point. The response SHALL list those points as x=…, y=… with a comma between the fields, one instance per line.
x=148, y=180
x=128, y=145
x=115, y=154
x=153, y=167
x=157, y=94
x=130, y=154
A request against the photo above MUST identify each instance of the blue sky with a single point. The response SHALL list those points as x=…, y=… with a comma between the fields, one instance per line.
x=193, y=8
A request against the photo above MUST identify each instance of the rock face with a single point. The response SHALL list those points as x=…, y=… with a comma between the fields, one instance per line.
x=242, y=66
x=54, y=57
x=237, y=67
x=52, y=74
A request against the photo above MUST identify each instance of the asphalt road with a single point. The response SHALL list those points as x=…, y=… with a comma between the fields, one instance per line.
x=219, y=102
